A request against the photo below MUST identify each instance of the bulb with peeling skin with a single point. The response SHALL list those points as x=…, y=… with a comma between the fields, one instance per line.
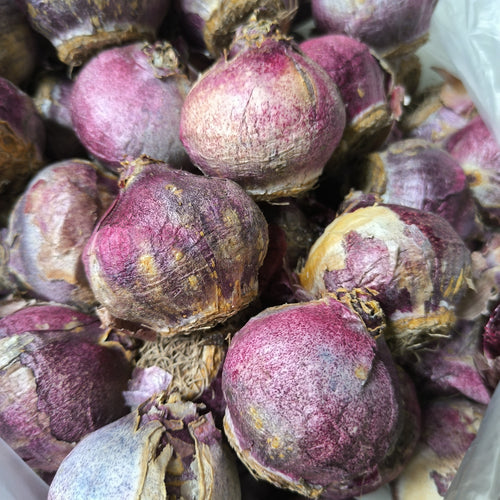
x=62, y=376
x=213, y=23
x=165, y=449
x=417, y=173
x=362, y=83
x=176, y=251
x=126, y=101
x=50, y=225
x=412, y=262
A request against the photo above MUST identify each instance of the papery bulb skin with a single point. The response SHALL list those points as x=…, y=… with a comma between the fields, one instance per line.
x=462, y=364
x=315, y=404
x=176, y=251
x=449, y=425
x=62, y=377
x=419, y=174
x=22, y=140
x=451, y=366
x=165, y=449
x=440, y=112
x=491, y=348
x=478, y=152
x=52, y=97
x=17, y=44
x=412, y=262
x=78, y=29
x=126, y=101
x=266, y=117
x=390, y=27
x=362, y=83
x=49, y=227
x=212, y=24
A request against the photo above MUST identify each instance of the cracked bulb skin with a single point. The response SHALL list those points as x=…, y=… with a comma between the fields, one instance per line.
x=176, y=251
x=264, y=116
x=315, y=404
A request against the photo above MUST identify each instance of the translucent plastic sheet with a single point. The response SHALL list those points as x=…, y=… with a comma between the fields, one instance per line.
x=17, y=480
x=478, y=477
x=465, y=40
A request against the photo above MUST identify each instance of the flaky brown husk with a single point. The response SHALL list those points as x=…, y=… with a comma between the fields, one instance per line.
x=79, y=29
x=223, y=22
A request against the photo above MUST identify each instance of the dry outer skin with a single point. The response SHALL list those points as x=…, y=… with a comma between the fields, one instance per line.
x=161, y=450
x=448, y=427
x=80, y=28
x=416, y=173
x=313, y=401
x=273, y=131
x=62, y=376
x=49, y=226
x=224, y=20
x=413, y=262
x=126, y=101
x=392, y=28
x=362, y=85
x=176, y=251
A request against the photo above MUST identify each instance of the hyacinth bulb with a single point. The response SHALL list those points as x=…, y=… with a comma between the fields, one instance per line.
x=362, y=83
x=22, y=140
x=176, y=251
x=49, y=226
x=478, y=152
x=62, y=377
x=417, y=173
x=213, y=24
x=165, y=449
x=79, y=29
x=126, y=101
x=390, y=27
x=17, y=44
x=449, y=425
x=265, y=116
x=440, y=111
x=52, y=97
x=315, y=404
x=411, y=261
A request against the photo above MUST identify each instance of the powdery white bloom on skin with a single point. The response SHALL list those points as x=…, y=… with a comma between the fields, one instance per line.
x=315, y=404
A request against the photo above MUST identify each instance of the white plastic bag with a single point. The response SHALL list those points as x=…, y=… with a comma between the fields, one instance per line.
x=17, y=480
x=478, y=477
x=464, y=39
